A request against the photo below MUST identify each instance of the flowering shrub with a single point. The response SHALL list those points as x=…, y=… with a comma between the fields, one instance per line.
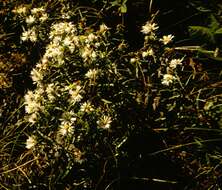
x=90, y=92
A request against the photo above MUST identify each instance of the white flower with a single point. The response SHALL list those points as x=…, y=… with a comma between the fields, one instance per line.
x=167, y=39
x=174, y=62
x=104, y=122
x=103, y=28
x=33, y=101
x=37, y=76
x=86, y=107
x=167, y=79
x=20, y=10
x=92, y=74
x=88, y=53
x=148, y=53
x=37, y=10
x=30, y=19
x=31, y=142
x=66, y=128
x=29, y=35
x=133, y=60
x=75, y=94
x=44, y=17
x=91, y=37
x=149, y=28
x=33, y=118
x=51, y=91
x=25, y=36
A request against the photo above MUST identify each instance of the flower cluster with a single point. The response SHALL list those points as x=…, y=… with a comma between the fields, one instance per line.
x=37, y=16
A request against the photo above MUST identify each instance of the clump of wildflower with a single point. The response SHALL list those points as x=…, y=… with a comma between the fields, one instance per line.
x=31, y=142
x=66, y=129
x=88, y=54
x=174, y=62
x=104, y=122
x=34, y=104
x=149, y=28
x=167, y=79
x=86, y=107
x=58, y=29
x=167, y=39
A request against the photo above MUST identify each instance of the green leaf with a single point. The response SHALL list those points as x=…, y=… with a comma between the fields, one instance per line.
x=123, y=8
x=214, y=24
x=203, y=33
x=218, y=31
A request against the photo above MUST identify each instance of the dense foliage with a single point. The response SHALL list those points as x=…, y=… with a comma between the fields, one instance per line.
x=91, y=99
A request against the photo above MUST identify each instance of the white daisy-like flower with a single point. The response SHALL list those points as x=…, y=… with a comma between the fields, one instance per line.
x=30, y=19
x=75, y=94
x=167, y=79
x=91, y=37
x=66, y=128
x=86, y=107
x=37, y=10
x=104, y=122
x=167, y=39
x=149, y=27
x=52, y=91
x=37, y=76
x=44, y=17
x=147, y=53
x=174, y=62
x=31, y=142
x=20, y=10
x=92, y=74
x=29, y=35
x=33, y=118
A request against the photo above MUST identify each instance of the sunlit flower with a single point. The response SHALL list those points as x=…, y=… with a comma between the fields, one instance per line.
x=20, y=10
x=86, y=107
x=104, y=122
x=30, y=19
x=37, y=76
x=149, y=28
x=174, y=62
x=148, y=53
x=29, y=35
x=92, y=74
x=167, y=39
x=66, y=128
x=103, y=28
x=37, y=10
x=31, y=142
x=75, y=94
x=167, y=79
x=91, y=37
x=33, y=104
x=44, y=17
x=51, y=91
x=133, y=60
